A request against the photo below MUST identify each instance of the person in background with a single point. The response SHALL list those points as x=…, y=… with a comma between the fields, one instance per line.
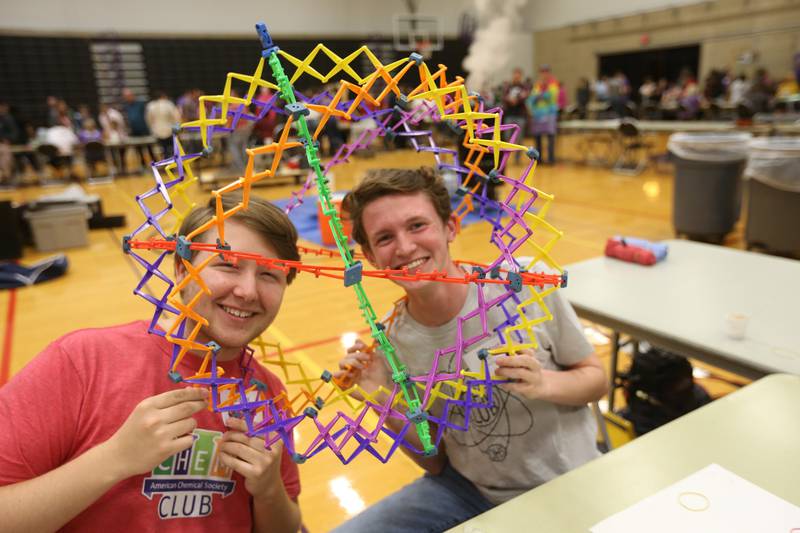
x=65, y=115
x=9, y=132
x=787, y=87
x=689, y=99
x=619, y=89
x=514, y=111
x=542, y=104
x=78, y=117
x=601, y=89
x=239, y=138
x=89, y=132
x=648, y=95
x=114, y=135
x=65, y=140
x=52, y=110
x=189, y=108
x=761, y=92
x=134, y=110
x=738, y=89
x=162, y=116
x=583, y=95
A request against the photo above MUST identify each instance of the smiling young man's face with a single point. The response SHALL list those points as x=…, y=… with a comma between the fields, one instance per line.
x=245, y=297
x=404, y=230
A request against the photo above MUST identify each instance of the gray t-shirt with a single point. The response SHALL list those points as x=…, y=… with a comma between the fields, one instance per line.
x=517, y=444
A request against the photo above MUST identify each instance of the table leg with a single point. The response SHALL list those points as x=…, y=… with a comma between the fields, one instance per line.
x=612, y=375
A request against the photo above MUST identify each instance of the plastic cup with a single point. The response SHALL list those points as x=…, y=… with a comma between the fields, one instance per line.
x=736, y=325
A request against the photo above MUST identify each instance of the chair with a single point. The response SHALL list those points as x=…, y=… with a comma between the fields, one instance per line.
x=53, y=158
x=634, y=150
x=95, y=152
x=612, y=430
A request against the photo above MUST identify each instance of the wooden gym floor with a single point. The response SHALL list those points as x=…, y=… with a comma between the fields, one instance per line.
x=591, y=205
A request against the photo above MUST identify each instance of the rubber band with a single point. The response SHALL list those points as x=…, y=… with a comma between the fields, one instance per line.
x=685, y=499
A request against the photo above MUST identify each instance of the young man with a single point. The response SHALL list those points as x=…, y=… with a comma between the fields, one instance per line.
x=97, y=437
x=539, y=426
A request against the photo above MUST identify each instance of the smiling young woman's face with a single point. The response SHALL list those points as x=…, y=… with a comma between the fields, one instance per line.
x=404, y=230
x=245, y=297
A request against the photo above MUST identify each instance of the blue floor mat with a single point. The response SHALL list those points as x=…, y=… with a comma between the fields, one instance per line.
x=305, y=219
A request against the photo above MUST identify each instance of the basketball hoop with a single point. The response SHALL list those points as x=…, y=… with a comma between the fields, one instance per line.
x=424, y=48
x=418, y=33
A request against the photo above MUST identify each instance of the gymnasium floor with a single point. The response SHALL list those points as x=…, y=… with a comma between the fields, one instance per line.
x=591, y=205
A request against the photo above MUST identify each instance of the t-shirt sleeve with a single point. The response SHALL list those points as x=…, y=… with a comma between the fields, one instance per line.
x=570, y=345
x=40, y=408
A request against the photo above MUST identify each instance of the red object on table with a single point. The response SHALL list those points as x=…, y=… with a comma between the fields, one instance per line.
x=324, y=222
x=633, y=254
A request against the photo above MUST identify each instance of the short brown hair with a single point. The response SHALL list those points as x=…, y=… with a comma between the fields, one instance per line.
x=385, y=181
x=261, y=216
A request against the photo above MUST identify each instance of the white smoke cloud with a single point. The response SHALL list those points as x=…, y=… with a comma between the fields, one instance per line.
x=491, y=50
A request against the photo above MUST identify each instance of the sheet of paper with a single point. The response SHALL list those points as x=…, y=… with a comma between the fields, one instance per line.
x=712, y=499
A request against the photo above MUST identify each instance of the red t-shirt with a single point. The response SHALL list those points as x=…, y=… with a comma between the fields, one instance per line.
x=79, y=391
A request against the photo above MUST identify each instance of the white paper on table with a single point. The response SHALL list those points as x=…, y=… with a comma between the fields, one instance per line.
x=730, y=504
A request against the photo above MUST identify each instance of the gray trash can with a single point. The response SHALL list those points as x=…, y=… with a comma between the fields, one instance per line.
x=773, y=188
x=708, y=185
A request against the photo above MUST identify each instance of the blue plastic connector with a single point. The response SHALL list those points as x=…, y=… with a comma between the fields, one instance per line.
x=478, y=270
x=266, y=41
x=564, y=279
x=416, y=58
x=483, y=354
x=533, y=153
x=214, y=346
x=221, y=246
x=297, y=109
x=260, y=385
x=380, y=325
x=430, y=452
x=207, y=151
x=126, y=244
x=515, y=281
x=494, y=177
x=314, y=143
x=310, y=412
x=402, y=103
x=417, y=416
x=326, y=376
x=176, y=129
x=353, y=274
x=461, y=191
x=477, y=95
x=494, y=273
x=175, y=377
x=182, y=248
x=319, y=403
x=298, y=459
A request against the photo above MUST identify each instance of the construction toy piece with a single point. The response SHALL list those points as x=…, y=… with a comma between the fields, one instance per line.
x=323, y=404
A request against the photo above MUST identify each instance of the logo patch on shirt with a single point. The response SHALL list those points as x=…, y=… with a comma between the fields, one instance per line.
x=187, y=480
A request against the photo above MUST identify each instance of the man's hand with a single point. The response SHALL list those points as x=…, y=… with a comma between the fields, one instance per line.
x=158, y=427
x=248, y=456
x=359, y=366
x=526, y=372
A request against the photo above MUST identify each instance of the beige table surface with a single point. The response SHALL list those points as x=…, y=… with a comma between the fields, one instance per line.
x=754, y=432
